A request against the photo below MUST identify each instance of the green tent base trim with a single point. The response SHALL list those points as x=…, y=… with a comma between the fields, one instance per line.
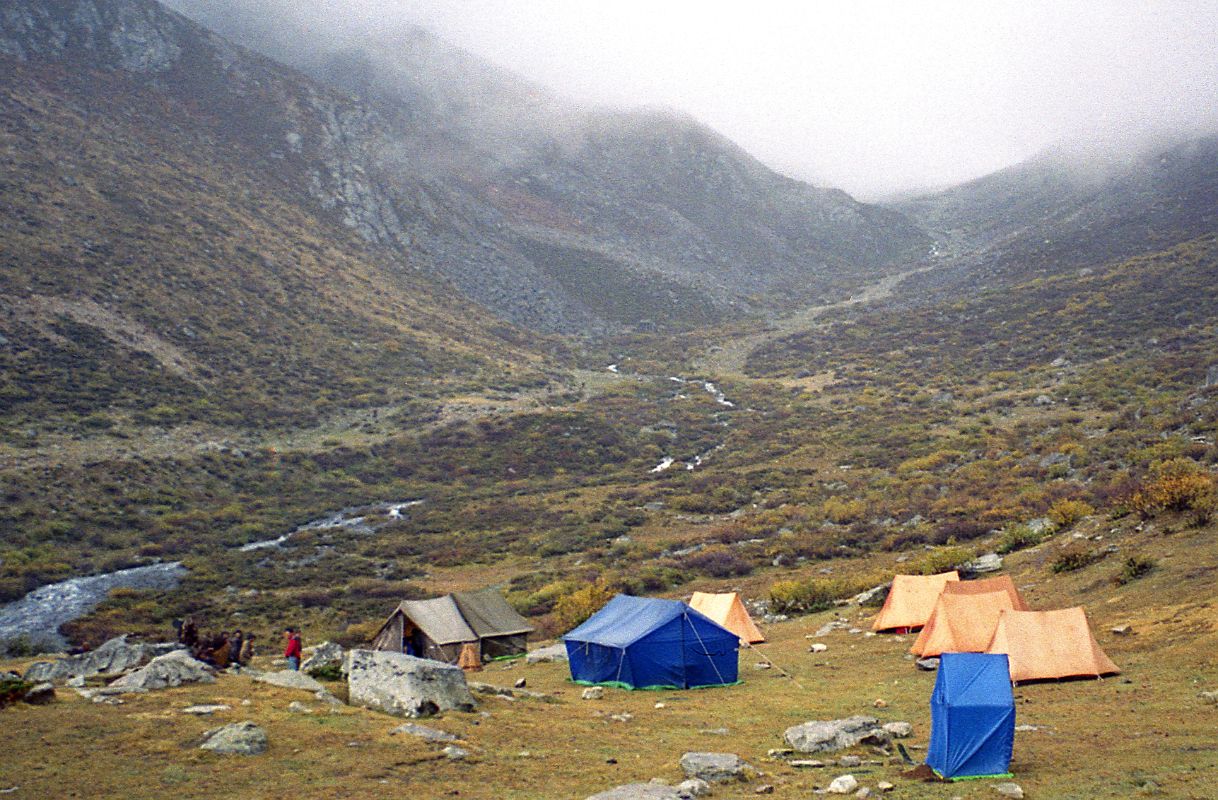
x=511, y=657
x=974, y=777
x=657, y=688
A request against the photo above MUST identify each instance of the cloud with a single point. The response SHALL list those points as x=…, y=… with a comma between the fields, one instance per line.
x=876, y=98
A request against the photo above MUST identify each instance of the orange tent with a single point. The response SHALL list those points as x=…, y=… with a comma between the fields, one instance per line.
x=911, y=600
x=961, y=623
x=1049, y=644
x=728, y=611
x=999, y=583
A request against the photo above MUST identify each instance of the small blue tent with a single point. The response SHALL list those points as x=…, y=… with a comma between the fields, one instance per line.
x=972, y=717
x=647, y=643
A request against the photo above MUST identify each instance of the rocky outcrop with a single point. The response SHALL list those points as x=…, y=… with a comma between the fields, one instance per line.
x=240, y=738
x=554, y=652
x=291, y=679
x=714, y=767
x=113, y=657
x=838, y=734
x=405, y=686
x=423, y=732
x=323, y=655
x=172, y=669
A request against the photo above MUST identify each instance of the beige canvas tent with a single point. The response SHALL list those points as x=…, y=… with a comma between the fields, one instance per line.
x=727, y=610
x=965, y=616
x=961, y=623
x=1049, y=644
x=911, y=600
x=438, y=628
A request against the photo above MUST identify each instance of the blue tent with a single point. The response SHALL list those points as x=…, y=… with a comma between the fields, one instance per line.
x=646, y=643
x=972, y=717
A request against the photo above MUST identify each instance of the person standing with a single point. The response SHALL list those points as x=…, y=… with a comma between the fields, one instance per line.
x=247, y=650
x=293, y=649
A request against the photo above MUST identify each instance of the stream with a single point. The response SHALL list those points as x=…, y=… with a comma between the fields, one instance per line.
x=38, y=615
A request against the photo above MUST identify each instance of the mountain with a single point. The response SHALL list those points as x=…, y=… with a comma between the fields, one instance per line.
x=567, y=218
x=1068, y=209
x=165, y=252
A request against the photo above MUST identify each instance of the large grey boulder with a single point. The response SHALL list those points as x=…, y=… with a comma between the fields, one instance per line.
x=404, y=685
x=111, y=658
x=714, y=767
x=990, y=562
x=639, y=791
x=826, y=736
x=290, y=679
x=242, y=738
x=163, y=672
x=554, y=652
x=323, y=655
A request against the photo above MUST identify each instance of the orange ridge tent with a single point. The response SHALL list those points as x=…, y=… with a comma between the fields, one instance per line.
x=1044, y=645
x=911, y=600
x=965, y=615
x=727, y=610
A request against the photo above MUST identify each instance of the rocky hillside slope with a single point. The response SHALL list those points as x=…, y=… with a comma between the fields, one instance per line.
x=166, y=254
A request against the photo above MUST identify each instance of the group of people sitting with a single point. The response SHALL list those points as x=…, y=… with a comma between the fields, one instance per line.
x=221, y=650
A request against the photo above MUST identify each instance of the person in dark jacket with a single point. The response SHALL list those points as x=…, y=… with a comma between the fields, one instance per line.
x=292, y=651
x=220, y=652
x=234, y=647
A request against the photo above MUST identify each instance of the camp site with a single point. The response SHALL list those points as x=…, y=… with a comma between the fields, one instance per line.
x=622, y=698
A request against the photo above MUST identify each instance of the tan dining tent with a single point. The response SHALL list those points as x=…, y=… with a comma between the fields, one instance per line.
x=911, y=600
x=965, y=616
x=438, y=628
x=727, y=610
x=1043, y=645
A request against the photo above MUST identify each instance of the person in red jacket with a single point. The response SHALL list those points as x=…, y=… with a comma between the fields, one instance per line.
x=293, y=649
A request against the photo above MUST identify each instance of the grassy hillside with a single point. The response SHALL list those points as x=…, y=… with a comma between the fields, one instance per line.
x=150, y=276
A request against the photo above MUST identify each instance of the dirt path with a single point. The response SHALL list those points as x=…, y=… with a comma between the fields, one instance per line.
x=729, y=359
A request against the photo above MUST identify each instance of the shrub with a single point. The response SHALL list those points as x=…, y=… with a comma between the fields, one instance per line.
x=1133, y=568
x=816, y=594
x=1074, y=558
x=327, y=672
x=841, y=511
x=1177, y=484
x=717, y=562
x=1018, y=537
x=941, y=559
x=1066, y=512
x=12, y=690
x=574, y=608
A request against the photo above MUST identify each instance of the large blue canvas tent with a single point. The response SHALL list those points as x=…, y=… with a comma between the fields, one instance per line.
x=972, y=717
x=647, y=643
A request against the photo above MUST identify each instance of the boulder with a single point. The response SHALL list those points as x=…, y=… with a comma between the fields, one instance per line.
x=1012, y=790
x=323, y=655
x=639, y=791
x=290, y=679
x=826, y=736
x=206, y=710
x=990, y=562
x=40, y=694
x=241, y=738
x=171, y=669
x=818, y=647
x=693, y=787
x=554, y=652
x=899, y=730
x=297, y=707
x=714, y=767
x=113, y=657
x=843, y=784
x=1209, y=698
x=927, y=664
x=593, y=693
x=454, y=753
x=404, y=685
x=424, y=732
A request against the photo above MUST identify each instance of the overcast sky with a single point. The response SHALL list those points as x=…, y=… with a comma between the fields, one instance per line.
x=875, y=98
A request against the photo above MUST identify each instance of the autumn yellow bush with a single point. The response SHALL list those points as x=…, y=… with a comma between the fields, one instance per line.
x=1176, y=484
x=1066, y=512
